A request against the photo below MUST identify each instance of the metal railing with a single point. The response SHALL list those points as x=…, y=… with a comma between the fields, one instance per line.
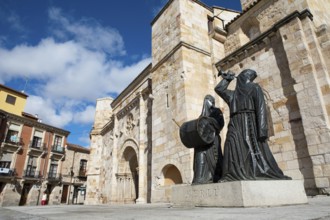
x=7, y=172
x=57, y=149
x=37, y=145
x=14, y=141
x=32, y=174
x=54, y=177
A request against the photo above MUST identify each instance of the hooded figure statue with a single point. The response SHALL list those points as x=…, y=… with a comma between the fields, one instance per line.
x=246, y=153
x=208, y=158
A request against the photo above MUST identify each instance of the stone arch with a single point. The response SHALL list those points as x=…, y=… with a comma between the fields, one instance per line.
x=160, y=177
x=129, y=143
x=127, y=173
x=171, y=175
x=250, y=29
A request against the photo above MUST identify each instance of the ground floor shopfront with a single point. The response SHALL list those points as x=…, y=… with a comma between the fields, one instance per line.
x=20, y=193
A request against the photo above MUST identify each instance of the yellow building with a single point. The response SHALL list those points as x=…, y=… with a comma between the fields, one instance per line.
x=12, y=100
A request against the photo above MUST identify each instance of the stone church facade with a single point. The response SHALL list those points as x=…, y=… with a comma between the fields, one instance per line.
x=136, y=152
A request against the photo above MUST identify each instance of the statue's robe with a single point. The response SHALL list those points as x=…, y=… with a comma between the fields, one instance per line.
x=208, y=158
x=246, y=153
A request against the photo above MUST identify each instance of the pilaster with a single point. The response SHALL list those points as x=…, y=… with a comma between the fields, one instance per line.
x=309, y=72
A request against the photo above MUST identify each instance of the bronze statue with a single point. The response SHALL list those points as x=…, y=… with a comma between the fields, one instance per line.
x=202, y=134
x=246, y=153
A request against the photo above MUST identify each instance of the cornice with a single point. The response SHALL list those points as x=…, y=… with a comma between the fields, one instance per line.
x=77, y=148
x=34, y=123
x=129, y=107
x=176, y=48
x=140, y=78
x=108, y=126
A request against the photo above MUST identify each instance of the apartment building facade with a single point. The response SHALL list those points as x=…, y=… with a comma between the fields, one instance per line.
x=74, y=173
x=32, y=155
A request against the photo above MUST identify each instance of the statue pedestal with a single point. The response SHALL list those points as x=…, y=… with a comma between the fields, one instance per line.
x=241, y=194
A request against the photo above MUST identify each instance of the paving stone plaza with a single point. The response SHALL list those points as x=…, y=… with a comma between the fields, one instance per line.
x=317, y=208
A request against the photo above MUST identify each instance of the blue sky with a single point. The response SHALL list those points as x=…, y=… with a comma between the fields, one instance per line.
x=67, y=53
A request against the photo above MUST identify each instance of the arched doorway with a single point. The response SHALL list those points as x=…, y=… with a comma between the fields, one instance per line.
x=172, y=176
x=127, y=177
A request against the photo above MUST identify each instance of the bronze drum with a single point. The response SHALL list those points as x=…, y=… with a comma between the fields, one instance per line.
x=197, y=133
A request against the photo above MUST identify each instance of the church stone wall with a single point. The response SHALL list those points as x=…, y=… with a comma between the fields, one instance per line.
x=93, y=172
x=310, y=75
x=292, y=68
x=166, y=31
x=180, y=82
x=263, y=16
x=247, y=3
x=284, y=43
x=116, y=146
x=321, y=9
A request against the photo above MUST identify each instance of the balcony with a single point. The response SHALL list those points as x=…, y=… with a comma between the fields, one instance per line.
x=7, y=173
x=58, y=149
x=37, y=148
x=12, y=144
x=54, y=177
x=32, y=174
x=37, y=145
x=14, y=140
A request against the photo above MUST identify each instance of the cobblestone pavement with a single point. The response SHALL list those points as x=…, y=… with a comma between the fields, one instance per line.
x=317, y=208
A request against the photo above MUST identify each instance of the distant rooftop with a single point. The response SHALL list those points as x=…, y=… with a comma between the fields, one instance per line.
x=79, y=148
x=13, y=90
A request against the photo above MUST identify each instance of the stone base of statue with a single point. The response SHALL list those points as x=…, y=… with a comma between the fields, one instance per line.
x=241, y=194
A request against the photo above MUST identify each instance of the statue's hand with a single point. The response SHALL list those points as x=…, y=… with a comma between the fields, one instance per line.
x=228, y=76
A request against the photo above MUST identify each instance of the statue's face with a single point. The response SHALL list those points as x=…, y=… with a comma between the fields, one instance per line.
x=209, y=100
x=253, y=75
x=248, y=75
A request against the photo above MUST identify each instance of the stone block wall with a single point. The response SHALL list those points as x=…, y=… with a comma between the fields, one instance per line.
x=321, y=9
x=247, y=3
x=94, y=170
x=311, y=75
x=292, y=68
x=194, y=19
x=291, y=56
x=166, y=32
x=180, y=83
x=118, y=148
x=260, y=18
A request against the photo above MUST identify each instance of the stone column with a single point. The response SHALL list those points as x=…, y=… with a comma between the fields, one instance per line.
x=14, y=158
x=115, y=196
x=142, y=170
x=103, y=112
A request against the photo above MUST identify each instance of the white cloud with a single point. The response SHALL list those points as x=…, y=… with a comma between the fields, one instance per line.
x=68, y=74
x=47, y=112
x=68, y=70
x=86, y=116
x=41, y=61
x=88, y=32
